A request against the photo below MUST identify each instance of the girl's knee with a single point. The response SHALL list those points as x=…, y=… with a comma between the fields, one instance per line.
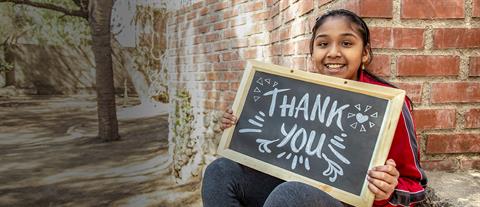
x=220, y=167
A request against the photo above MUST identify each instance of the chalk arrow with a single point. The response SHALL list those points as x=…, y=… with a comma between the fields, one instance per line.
x=260, y=81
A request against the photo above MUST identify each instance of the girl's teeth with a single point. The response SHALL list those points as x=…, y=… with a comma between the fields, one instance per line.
x=334, y=66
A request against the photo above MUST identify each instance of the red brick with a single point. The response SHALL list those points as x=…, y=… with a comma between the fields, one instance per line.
x=288, y=48
x=474, y=66
x=202, y=29
x=369, y=8
x=221, y=86
x=219, y=46
x=470, y=164
x=232, y=76
x=250, y=53
x=285, y=33
x=380, y=65
x=414, y=91
x=230, y=56
x=222, y=66
x=237, y=22
x=274, y=36
x=472, y=118
x=434, y=118
x=214, y=58
x=230, y=13
x=229, y=33
x=254, y=6
x=432, y=9
x=304, y=6
x=197, y=5
x=204, y=11
x=298, y=29
x=456, y=38
x=274, y=11
x=323, y=2
x=300, y=63
x=237, y=65
x=212, y=76
x=276, y=49
x=424, y=65
x=453, y=143
x=220, y=25
x=234, y=85
x=213, y=19
x=192, y=15
x=443, y=165
x=239, y=43
x=221, y=6
x=284, y=4
x=398, y=38
x=476, y=8
x=271, y=2
x=289, y=14
x=455, y=92
x=229, y=96
x=206, y=86
x=212, y=37
x=208, y=2
x=302, y=47
x=376, y=8
x=260, y=16
x=236, y=2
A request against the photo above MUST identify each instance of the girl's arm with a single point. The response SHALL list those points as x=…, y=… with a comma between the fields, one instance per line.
x=405, y=153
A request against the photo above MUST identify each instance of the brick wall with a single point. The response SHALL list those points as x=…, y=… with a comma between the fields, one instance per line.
x=427, y=47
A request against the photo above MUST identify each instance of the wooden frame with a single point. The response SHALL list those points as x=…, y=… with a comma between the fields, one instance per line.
x=395, y=99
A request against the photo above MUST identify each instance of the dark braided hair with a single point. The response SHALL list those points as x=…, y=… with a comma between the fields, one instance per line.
x=362, y=29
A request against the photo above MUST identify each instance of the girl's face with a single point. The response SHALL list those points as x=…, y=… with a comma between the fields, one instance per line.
x=338, y=49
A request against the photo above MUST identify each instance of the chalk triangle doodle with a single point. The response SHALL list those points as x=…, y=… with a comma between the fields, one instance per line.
x=354, y=125
x=260, y=81
x=358, y=107
x=362, y=129
x=268, y=81
x=256, y=90
x=375, y=115
x=255, y=98
x=367, y=108
x=275, y=83
x=350, y=115
x=371, y=124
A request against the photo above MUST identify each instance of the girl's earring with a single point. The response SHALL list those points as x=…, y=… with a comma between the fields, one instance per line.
x=363, y=66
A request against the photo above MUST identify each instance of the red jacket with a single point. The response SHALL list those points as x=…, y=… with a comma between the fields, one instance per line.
x=405, y=153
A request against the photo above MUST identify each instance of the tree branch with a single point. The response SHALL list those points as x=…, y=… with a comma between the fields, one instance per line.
x=70, y=12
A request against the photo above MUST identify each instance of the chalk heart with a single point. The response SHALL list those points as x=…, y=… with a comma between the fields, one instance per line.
x=361, y=118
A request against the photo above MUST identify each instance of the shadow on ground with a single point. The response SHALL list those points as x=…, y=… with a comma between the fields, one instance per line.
x=51, y=157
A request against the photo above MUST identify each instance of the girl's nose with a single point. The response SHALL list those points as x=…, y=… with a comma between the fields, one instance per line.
x=333, y=52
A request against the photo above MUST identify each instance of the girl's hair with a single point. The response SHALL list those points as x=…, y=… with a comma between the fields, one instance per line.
x=362, y=28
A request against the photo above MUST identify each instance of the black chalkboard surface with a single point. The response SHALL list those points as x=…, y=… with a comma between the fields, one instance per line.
x=324, y=131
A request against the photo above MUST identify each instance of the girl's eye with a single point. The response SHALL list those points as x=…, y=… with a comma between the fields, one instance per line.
x=346, y=44
x=322, y=44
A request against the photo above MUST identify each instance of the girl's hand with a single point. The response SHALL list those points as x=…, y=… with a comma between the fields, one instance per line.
x=383, y=180
x=228, y=119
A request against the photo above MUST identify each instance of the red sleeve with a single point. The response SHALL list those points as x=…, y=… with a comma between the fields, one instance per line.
x=404, y=151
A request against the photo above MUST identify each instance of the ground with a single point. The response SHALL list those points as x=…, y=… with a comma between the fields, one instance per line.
x=51, y=157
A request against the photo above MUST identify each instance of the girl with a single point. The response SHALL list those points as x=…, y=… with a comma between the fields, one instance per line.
x=340, y=47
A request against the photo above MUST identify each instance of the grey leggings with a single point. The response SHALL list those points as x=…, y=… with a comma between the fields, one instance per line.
x=227, y=183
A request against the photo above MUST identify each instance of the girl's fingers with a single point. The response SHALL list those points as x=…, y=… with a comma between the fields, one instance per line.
x=383, y=176
x=385, y=187
x=379, y=194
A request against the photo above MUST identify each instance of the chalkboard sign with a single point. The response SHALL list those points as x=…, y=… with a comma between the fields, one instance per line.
x=320, y=130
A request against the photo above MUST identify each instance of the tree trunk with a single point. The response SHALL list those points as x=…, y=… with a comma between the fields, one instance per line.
x=99, y=19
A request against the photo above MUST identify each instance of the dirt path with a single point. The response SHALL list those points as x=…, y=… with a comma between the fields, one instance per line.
x=49, y=157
